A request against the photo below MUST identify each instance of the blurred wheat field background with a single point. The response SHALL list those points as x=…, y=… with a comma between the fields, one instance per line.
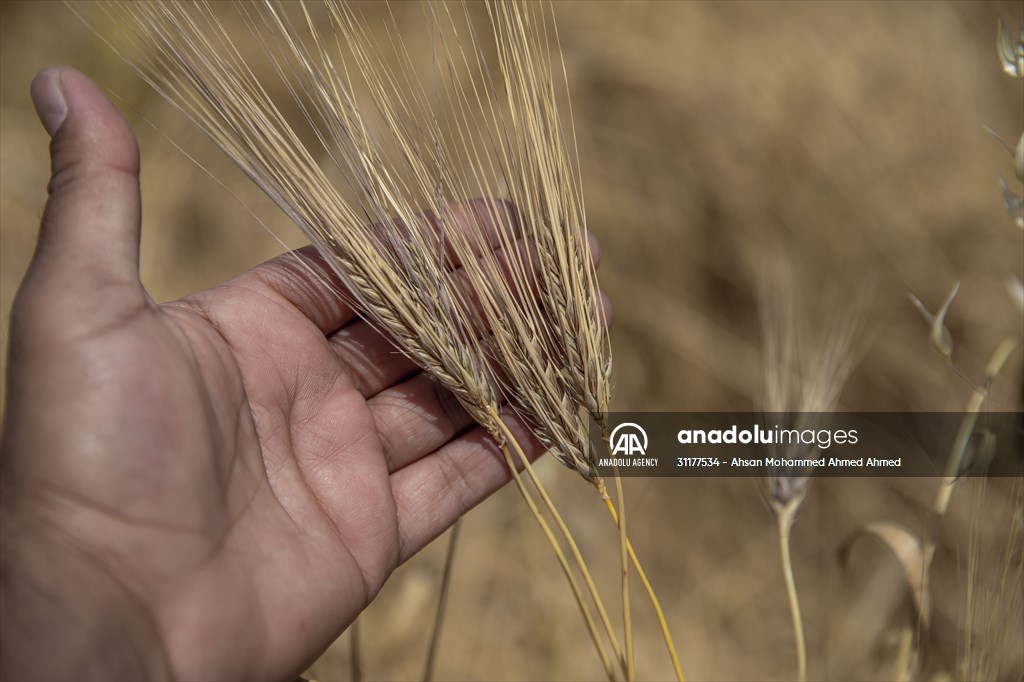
x=841, y=142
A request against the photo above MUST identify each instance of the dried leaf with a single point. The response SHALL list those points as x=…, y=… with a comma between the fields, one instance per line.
x=908, y=551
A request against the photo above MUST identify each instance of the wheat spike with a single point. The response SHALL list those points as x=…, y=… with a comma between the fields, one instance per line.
x=500, y=306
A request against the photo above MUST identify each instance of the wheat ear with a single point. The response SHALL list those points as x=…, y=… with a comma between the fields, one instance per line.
x=396, y=265
x=805, y=372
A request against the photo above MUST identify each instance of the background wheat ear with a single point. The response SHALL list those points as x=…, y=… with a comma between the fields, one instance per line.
x=810, y=351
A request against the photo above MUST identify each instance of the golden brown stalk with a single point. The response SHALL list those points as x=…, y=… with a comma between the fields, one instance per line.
x=627, y=623
x=442, y=603
x=528, y=498
x=658, y=611
x=786, y=515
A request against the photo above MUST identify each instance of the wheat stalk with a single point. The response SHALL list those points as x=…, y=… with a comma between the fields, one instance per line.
x=510, y=317
x=805, y=372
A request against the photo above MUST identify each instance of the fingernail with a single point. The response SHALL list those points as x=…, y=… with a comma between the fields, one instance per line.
x=48, y=96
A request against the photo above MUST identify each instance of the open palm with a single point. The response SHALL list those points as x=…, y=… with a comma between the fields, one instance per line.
x=210, y=488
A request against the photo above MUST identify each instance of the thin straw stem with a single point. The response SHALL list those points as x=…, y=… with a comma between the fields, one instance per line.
x=665, y=632
x=785, y=517
x=442, y=602
x=627, y=621
x=562, y=561
x=959, y=450
x=567, y=535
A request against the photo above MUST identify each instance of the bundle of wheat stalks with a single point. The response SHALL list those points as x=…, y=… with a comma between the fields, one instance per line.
x=497, y=300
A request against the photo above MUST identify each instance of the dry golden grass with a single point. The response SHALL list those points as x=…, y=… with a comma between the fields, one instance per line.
x=710, y=135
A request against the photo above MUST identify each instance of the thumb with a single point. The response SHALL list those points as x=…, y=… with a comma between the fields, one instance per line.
x=89, y=236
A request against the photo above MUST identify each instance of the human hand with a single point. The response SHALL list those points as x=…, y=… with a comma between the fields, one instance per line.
x=209, y=488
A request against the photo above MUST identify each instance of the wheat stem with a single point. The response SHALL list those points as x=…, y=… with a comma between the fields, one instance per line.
x=442, y=602
x=785, y=517
x=958, y=451
x=570, y=541
x=563, y=562
x=665, y=632
x=624, y=555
